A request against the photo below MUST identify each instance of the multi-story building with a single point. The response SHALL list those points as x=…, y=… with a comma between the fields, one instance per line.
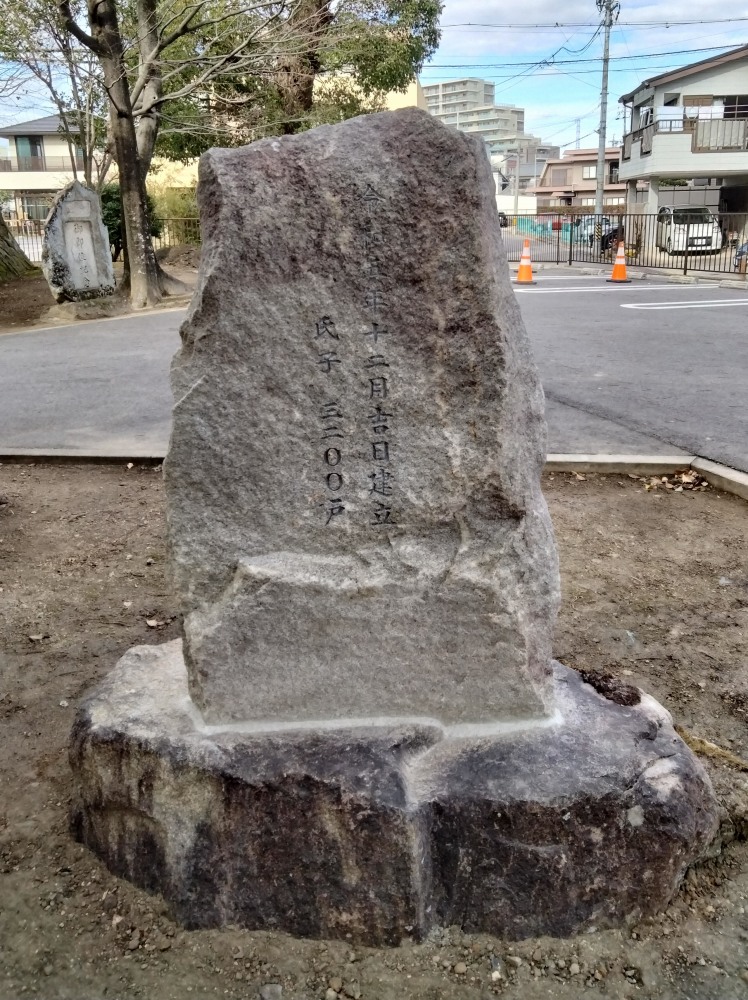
x=522, y=158
x=34, y=166
x=468, y=106
x=571, y=181
x=458, y=95
x=689, y=124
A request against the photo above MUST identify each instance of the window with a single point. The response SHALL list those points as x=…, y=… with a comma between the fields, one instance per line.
x=588, y=201
x=736, y=106
x=559, y=176
x=692, y=215
x=30, y=152
x=589, y=173
x=36, y=204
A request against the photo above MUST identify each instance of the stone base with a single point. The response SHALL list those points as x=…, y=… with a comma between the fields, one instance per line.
x=378, y=833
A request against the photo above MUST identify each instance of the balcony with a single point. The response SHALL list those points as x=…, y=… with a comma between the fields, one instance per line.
x=39, y=164
x=681, y=146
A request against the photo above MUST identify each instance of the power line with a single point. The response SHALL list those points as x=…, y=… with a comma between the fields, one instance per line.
x=592, y=24
x=568, y=62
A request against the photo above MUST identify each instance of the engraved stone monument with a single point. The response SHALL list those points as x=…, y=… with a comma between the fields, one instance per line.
x=363, y=733
x=76, y=257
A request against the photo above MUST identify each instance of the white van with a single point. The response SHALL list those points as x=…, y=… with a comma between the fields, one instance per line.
x=695, y=224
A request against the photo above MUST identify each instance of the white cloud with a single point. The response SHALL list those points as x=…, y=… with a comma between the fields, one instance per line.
x=571, y=90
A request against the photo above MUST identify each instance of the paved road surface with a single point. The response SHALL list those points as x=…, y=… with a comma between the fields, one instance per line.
x=646, y=367
x=657, y=359
x=100, y=385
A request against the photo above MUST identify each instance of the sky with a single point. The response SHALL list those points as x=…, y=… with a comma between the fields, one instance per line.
x=497, y=41
x=491, y=40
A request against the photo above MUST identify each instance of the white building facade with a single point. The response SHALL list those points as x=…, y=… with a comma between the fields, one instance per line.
x=468, y=105
x=689, y=124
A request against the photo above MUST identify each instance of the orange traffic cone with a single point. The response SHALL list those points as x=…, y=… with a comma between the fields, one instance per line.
x=619, y=268
x=524, y=274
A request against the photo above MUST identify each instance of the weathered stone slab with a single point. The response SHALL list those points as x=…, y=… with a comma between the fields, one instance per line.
x=376, y=834
x=353, y=476
x=76, y=255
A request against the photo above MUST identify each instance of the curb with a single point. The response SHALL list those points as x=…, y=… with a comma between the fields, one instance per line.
x=722, y=477
x=699, y=278
x=642, y=465
x=62, y=456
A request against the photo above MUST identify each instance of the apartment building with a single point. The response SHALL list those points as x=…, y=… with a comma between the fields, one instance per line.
x=458, y=95
x=522, y=158
x=468, y=105
x=571, y=181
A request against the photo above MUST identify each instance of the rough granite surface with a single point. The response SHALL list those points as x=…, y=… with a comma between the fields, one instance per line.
x=76, y=255
x=376, y=834
x=354, y=505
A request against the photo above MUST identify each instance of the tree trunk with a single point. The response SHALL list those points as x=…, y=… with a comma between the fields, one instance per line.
x=13, y=261
x=145, y=284
x=296, y=74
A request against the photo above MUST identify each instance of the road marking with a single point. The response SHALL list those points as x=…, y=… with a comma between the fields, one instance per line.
x=644, y=287
x=561, y=277
x=704, y=304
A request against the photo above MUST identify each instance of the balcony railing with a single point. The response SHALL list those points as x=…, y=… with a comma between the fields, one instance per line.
x=38, y=164
x=726, y=134
x=708, y=135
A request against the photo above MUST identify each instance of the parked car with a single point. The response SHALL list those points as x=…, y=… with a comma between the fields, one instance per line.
x=503, y=220
x=695, y=226
x=586, y=225
x=611, y=239
x=741, y=254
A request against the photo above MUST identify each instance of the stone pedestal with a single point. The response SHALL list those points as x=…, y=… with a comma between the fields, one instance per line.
x=588, y=818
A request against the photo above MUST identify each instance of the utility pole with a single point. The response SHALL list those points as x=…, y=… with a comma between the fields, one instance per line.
x=610, y=10
x=578, y=140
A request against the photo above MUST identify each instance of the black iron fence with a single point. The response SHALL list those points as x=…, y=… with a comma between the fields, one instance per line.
x=177, y=232
x=29, y=235
x=689, y=240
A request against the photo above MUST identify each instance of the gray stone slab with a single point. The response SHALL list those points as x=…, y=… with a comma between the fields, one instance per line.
x=354, y=504
x=373, y=834
x=76, y=255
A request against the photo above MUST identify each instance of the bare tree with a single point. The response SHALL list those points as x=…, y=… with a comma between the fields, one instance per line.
x=152, y=52
x=36, y=45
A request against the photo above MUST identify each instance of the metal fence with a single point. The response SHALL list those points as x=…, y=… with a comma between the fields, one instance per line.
x=689, y=240
x=29, y=235
x=177, y=232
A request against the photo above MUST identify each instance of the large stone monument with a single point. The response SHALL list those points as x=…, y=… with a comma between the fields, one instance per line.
x=363, y=733
x=76, y=256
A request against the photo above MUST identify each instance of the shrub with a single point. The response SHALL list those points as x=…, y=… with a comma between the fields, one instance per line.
x=111, y=213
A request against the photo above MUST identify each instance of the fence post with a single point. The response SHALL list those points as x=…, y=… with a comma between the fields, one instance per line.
x=558, y=243
x=571, y=240
x=685, y=255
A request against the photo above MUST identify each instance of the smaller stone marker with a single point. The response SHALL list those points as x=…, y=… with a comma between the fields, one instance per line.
x=76, y=256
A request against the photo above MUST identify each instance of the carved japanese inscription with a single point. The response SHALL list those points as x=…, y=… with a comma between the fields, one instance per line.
x=353, y=476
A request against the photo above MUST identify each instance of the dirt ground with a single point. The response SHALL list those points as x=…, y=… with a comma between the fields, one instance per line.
x=26, y=302
x=655, y=588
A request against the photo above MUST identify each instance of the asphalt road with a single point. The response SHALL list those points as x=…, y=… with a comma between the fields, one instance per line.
x=661, y=360
x=101, y=385
x=646, y=367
